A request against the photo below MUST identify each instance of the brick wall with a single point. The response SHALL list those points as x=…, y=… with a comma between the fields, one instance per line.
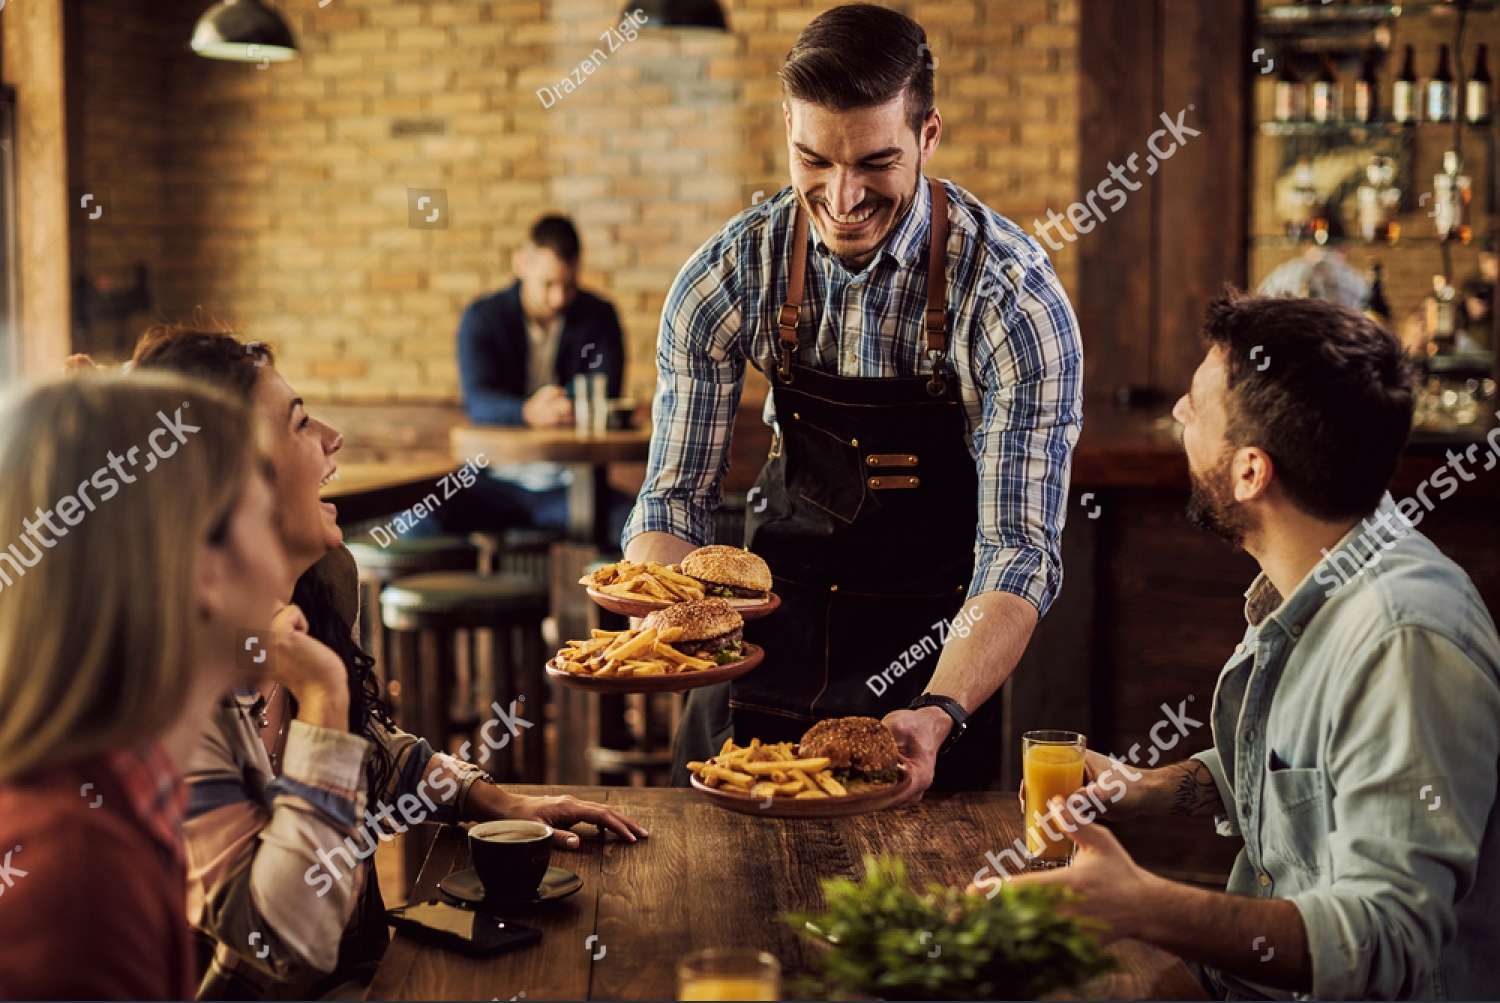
x=277, y=198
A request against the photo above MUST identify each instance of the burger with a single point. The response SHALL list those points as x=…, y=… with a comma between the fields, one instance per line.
x=861, y=751
x=711, y=629
x=730, y=572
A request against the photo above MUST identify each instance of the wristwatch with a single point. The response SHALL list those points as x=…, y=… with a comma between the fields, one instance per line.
x=952, y=708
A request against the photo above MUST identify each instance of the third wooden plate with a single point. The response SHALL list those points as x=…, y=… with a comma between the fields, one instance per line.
x=750, y=609
x=830, y=807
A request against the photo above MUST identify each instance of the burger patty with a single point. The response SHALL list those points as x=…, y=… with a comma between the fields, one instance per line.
x=729, y=643
x=732, y=591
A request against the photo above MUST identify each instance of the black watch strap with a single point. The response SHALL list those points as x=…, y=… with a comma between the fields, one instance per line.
x=952, y=708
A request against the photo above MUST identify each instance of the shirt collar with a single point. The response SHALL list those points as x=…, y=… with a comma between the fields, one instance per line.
x=155, y=792
x=904, y=245
x=1377, y=532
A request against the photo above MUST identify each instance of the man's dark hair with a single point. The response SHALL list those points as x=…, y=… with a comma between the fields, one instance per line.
x=1324, y=390
x=860, y=55
x=556, y=234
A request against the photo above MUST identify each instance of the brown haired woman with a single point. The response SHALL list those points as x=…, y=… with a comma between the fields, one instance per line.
x=142, y=545
x=290, y=779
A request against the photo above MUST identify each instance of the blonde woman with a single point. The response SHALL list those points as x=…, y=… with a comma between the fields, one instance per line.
x=136, y=546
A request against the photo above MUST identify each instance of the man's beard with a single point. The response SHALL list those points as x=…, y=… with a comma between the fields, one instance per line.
x=1211, y=505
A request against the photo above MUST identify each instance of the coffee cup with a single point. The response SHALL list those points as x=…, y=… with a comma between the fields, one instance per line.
x=511, y=857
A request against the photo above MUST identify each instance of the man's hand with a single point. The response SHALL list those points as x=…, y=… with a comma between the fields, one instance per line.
x=549, y=407
x=919, y=736
x=1110, y=884
x=562, y=812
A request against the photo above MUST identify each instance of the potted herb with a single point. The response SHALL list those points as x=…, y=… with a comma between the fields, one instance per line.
x=888, y=941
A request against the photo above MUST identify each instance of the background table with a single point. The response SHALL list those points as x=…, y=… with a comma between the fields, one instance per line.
x=589, y=457
x=369, y=490
x=711, y=878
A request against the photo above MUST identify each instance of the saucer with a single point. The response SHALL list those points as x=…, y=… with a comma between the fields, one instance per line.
x=557, y=883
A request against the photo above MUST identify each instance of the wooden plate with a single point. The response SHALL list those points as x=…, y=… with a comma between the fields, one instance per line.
x=750, y=609
x=674, y=683
x=853, y=804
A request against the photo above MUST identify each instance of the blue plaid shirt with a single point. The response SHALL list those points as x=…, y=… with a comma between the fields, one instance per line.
x=1013, y=343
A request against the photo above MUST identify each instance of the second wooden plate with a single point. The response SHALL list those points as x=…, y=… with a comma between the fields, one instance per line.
x=674, y=683
x=830, y=807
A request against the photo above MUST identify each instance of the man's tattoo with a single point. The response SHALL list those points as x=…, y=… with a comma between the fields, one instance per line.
x=1196, y=792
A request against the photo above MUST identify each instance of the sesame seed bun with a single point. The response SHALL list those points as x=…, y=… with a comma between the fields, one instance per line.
x=731, y=567
x=701, y=620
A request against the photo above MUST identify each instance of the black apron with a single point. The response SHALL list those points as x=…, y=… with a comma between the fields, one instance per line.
x=866, y=512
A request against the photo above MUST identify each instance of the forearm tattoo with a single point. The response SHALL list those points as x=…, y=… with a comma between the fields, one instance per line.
x=1195, y=792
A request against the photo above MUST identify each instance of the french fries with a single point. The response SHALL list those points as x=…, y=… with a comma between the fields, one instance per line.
x=759, y=771
x=636, y=652
x=649, y=581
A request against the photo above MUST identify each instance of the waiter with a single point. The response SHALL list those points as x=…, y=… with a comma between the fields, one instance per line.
x=926, y=376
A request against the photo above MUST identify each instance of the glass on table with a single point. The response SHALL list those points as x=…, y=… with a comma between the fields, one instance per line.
x=722, y=973
x=1052, y=765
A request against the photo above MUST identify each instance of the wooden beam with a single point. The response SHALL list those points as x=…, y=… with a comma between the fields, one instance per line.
x=33, y=64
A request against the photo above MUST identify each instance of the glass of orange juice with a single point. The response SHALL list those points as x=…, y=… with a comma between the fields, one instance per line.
x=723, y=973
x=1052, y=764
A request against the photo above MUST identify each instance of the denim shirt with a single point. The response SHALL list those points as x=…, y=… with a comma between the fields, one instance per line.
x=1356, y=747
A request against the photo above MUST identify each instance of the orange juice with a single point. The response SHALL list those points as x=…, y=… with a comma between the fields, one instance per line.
x=1051, y=770
x=727, y=987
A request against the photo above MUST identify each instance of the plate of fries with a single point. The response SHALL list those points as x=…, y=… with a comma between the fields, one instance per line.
x=632, y=588
x=771, y=779
x=641, y=660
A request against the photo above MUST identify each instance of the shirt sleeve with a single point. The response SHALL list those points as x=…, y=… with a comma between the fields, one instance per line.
x=1031, y=369
x=476, y=367
x=1408, y=815
x=432, y=785
x=286, y=876
x=700, y=369
x=1227, y=822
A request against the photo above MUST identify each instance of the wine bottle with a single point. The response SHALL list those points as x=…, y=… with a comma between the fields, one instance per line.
x=1367, y=91
x=1291, y=96
x=1377, y=308
x=1404, y=90
x=1477, y=91
x=1326, y=95
x=1440, y=90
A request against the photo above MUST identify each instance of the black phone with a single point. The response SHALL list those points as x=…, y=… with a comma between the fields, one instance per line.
x=465, y=930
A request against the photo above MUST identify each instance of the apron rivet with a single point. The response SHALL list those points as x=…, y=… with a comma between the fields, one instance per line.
x=796, y=416
x=854, y=443
x=833, y=588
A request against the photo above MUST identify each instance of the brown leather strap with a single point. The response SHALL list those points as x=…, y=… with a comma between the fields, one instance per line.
x=935, y=317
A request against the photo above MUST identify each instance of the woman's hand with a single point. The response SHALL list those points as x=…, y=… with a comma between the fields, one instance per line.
x=562, y=812
x=309, y=670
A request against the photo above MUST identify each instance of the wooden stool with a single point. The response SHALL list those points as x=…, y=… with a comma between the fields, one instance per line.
x=378, y=566
x=448, y=692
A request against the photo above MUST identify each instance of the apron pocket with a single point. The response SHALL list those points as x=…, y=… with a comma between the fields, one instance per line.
x=883, y=649
x=824, y=469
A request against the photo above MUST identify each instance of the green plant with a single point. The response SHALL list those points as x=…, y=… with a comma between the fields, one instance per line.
x=887, y=940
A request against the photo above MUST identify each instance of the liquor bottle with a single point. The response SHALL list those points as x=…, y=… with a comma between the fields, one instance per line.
x=1442, y=317
x=1291, y=96
x=1376, y=306
x=1440, y=90
x=1367, y=91
x=1404, y=91
x=1327, y=103
x=1477, y=91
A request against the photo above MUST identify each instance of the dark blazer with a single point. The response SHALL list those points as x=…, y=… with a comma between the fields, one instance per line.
x=493, y=352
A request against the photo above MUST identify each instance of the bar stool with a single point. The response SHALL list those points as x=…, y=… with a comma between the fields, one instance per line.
x=435, y=621
x=379, y=566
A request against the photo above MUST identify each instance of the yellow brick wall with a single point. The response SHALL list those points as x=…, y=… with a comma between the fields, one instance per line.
x=280, y=199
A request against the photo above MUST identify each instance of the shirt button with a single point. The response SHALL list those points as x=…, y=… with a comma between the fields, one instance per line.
x=1264, y=879
x=1297, y=630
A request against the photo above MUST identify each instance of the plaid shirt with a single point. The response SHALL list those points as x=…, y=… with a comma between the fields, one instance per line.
x=1013, y=343
x=157, y=794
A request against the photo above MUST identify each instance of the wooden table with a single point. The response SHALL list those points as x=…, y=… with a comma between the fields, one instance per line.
x=588, y=456
x=711, y=878
x=369, y=490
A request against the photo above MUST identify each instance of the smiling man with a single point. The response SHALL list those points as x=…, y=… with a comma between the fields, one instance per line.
x=926, y=378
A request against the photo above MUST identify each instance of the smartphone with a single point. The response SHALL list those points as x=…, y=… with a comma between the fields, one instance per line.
x=464, y=930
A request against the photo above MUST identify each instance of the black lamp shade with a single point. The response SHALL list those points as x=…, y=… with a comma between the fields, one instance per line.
x=681, y=14
x=243, y=31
